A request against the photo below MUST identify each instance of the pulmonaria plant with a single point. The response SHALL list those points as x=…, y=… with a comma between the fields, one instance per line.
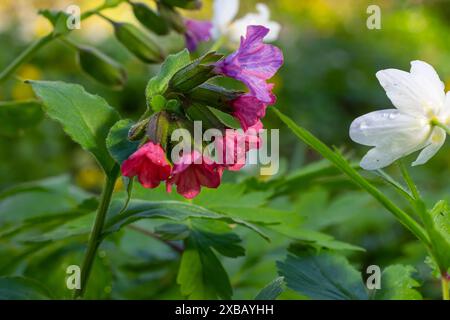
x=422, y=111
x=188, y=98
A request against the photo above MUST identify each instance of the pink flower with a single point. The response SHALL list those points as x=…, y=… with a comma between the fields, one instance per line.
x=149, y=164
x=249, y=109
x=196, y=32
x=193, y=171
x=253, y=63
x=234, y=147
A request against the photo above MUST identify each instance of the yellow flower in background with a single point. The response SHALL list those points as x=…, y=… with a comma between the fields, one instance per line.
x=21, y=90
x=89, y=178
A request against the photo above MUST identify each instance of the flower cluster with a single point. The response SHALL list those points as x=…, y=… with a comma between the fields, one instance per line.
x=191, y=99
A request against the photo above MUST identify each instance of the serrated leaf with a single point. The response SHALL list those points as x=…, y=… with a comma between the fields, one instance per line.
x=159, y=84
x=86, y=118
x=397, y=284
x=272, y=290
x=16, y=116
x=322, y=276
x=19, y=288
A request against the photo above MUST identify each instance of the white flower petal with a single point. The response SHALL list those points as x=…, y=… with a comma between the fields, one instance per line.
x=224, y=13
x=430, y=82
x=436, y=141
x=378, y=158
x=412, y=93
x=389, y=128
x=262, y=18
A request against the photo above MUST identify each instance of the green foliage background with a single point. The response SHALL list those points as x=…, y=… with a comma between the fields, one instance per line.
x=328, y=79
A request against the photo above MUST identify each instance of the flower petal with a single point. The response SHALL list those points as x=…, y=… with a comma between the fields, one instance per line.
x=388, y=127
x=412, y=93
x=436, y=141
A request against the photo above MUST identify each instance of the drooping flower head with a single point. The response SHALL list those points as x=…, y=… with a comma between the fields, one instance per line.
x=191, y=172
x=149, y=164
x=196, y=32
x=225, y=12
x=234, y=146
x=249, y=109
x=420, y=99
x=253, y=63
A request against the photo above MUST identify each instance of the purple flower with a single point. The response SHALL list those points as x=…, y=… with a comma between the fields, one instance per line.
x=253, y=63
x=196, y=32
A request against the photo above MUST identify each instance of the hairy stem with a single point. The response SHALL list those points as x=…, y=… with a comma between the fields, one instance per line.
x=344, y=166
x=25, y=56
x=409, y=181
x=96, y=233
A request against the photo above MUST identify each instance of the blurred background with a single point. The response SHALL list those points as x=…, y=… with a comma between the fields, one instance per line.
x=328, y=79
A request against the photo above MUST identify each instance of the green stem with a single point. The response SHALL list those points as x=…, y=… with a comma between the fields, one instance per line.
x=96, y=233
x=35, y=46
x=445, y=289
x=346, y=168
x=409, y=181
x=25, y=56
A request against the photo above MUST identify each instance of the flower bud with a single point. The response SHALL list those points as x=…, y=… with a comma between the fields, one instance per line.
x=138, y=42
x=214, y=96
x=194, y=74
x=185, y=4
x=159, y=127
x=150, y=19
x=172, y=17
x=101, y=67
x=199, y=112
x=137, y=132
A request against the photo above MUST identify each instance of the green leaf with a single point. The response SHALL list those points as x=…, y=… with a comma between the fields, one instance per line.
x=217, y=235
x=173, y=210
x=397, y=284
x=272, y=290
x=117, y=141
x=440, y=234
x=322, y=276
x=159, y=84
x=16, y=116
x=201, y=275
x=86, y=118
x=18, y=288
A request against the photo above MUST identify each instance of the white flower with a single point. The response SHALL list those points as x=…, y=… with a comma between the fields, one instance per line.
x=224, y=24
x=419, y=98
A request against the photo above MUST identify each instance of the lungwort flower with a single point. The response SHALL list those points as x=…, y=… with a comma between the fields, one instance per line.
x=149, y=164
x=253, y=64
x=420, y=102
x=191, y=172
x=196, y=32
x=224, y=25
